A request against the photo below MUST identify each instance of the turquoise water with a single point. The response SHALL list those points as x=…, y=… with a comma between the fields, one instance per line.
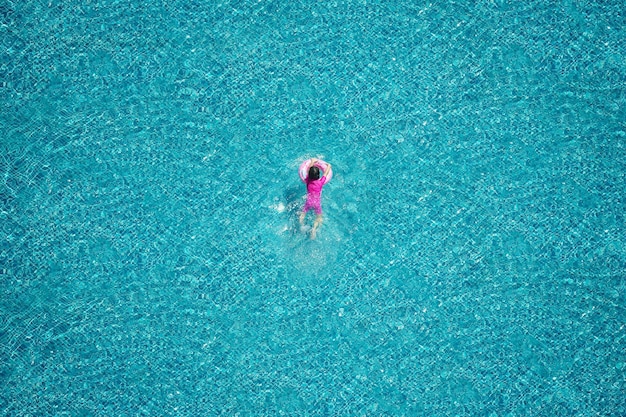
x=472, y=261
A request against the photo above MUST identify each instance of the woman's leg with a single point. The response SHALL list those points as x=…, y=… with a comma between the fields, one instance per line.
x=316, y=224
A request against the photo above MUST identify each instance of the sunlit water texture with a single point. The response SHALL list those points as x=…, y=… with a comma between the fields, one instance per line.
x=472, y=257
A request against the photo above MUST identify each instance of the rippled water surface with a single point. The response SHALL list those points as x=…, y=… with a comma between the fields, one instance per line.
x=472, y=259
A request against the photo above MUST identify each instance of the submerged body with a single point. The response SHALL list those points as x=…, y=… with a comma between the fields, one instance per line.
x=314, y=185
x=314, y=196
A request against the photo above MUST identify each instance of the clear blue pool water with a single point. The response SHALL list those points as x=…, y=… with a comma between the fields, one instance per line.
x=472, y=261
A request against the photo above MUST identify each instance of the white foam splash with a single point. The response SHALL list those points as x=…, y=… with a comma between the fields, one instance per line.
x=279, y=207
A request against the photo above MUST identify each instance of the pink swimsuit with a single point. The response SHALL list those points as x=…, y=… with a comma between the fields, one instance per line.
x=314, y=195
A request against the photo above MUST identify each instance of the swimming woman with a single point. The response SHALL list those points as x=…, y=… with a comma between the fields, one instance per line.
x=314, y=184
